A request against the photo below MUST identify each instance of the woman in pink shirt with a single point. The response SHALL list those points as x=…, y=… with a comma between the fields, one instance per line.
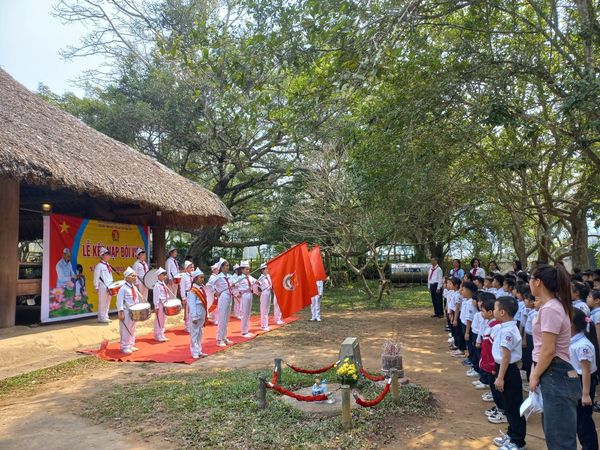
x=553, y=372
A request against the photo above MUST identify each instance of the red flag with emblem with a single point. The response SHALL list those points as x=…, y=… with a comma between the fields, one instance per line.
x=293, y=280
x=316, y=262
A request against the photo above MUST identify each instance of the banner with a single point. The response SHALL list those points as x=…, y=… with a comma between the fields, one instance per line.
x=316, y=262
x=293, y=281
x=71, y=246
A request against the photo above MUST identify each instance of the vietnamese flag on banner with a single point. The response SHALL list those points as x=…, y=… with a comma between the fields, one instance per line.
x=316, y=262
x=293, y=280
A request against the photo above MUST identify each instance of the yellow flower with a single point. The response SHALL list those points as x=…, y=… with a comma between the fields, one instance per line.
x=355, y=377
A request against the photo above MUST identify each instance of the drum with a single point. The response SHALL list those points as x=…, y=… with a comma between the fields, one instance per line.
x=140, y=312
x=172, y=306
x=113, y=288
x=150, y=279
x=177, y=278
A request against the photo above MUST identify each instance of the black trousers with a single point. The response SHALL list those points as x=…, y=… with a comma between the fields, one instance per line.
x=512, y=397
x=436, y=300
x=527, y=355
x=586, y=428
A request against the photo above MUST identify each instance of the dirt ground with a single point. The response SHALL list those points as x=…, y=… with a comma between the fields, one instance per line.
x=51, y=416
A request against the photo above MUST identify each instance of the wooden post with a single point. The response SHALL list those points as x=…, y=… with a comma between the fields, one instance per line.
x=346, y=410
x=278, y=369
x=395, y=387
x=9, y=243
x=261, y=395
x=159, y=250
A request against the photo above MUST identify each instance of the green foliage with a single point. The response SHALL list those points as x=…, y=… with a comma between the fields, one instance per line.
x=218, y=409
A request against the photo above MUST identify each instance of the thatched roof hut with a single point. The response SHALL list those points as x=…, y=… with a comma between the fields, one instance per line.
x=49, y=150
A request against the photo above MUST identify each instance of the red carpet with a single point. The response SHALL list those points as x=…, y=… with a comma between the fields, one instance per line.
x=177, y=349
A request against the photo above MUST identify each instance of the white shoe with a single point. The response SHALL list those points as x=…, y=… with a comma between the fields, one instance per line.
x=450, y=335
x=196, y=356
x=481, y=385
x=104, y=320
x=491, y=411
x=511, y=446
x=474, y=382
x=450, y=340
x=134, y=349
x=318, y=319
x=126, y=352
x=228, y=341
x=472, y=373
x=280, y=322
x=487, y=396
x=501, y=440
x=248, y=335
x=221, y=344
x=498, y=417
x=457, y=354
x=310, y=320
x=265, y=329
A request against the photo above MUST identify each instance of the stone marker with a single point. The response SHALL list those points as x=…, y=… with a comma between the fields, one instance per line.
x=351, y=348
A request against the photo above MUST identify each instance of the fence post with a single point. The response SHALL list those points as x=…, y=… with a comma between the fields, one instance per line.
x=278, y=369
x=346, y=410
x=395, y=387
x=261, y=395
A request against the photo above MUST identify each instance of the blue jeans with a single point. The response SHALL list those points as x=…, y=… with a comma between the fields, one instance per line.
x=561, y=390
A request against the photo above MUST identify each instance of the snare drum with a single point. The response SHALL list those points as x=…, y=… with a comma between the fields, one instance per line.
x=172, y=306
x=177, y=278
x=113, y=288
x=140, y=312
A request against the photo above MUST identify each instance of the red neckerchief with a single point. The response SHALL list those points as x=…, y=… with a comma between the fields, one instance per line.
x=474, y=271
x=433, y=269
x=144, y=266
x=133, y=294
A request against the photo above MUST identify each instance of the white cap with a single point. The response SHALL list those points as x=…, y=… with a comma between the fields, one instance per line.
x=244, y=263
x=128, y=272
x=187, y=264
x=139, y=250
x=196, y=273
x=236, y=266
x=66, y=251
x=171, y=249
x=103, y=251
x=263, y=266
x=160, y=270
x=218, y=264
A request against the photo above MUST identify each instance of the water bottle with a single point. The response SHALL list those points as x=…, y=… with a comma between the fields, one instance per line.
x=315, y=389
x=324, y=389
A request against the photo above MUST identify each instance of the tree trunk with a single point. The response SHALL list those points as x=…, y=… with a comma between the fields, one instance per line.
x=579, y=238
x=544, y=240
x=436, y=249
x=518, y=240
x=420, y=253
x=201, y=248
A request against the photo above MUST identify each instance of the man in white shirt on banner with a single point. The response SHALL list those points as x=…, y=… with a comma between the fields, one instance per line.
x=64, y=269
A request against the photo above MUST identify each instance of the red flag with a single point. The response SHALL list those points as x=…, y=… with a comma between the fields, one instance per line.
x=317, y=263
x=293, y=280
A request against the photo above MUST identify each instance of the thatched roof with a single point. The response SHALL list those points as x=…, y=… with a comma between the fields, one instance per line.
x=44, y=146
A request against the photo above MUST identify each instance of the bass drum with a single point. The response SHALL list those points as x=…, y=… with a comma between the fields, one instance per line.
x=150, y=279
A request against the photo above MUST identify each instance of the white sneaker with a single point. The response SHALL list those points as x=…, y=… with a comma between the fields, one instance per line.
x=221, y=344
x=248, y=335
x=481, y=385
x=457, y=354
x=450, y=335
x=450, y=340
x=487, y=396
x=104, y=320
x=511, y=446
x=318, y=319
x=196, y=356
x=498, y=418
x=472, y=373
x=126, y=352
x=228, y=341
x=281, y=322
x=474, y=382
x=491, y=411
x=501, y=440
x=265, y=329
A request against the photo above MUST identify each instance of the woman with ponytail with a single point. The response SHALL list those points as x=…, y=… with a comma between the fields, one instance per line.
x=553, y=372
x=584, y=357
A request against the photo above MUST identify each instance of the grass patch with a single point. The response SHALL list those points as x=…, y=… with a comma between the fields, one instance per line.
x=352, y=297
x=33, y=380
x=218, y=410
